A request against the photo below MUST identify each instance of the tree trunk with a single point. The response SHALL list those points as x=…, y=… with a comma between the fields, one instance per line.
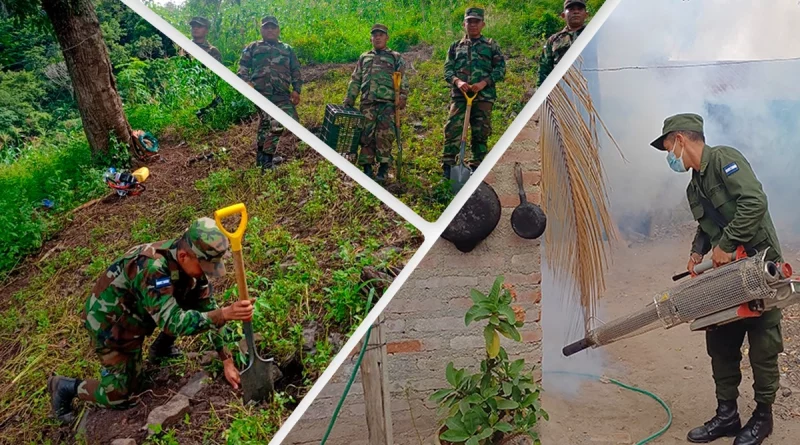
x=78, y=32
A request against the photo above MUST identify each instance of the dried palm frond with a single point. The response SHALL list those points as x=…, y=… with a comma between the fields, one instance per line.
x=573, y=190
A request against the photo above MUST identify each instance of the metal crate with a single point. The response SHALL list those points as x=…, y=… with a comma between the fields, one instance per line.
x=342, y=128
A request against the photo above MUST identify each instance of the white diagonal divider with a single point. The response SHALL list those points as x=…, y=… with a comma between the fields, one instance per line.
x=431, y=231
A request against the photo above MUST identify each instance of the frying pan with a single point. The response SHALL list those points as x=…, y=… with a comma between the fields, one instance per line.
x=528, y=220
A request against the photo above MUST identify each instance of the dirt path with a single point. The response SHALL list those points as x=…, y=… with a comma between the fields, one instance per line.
x=672, y=364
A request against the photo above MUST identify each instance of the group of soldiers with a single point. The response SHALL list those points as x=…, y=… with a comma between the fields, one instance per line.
x=474, y=65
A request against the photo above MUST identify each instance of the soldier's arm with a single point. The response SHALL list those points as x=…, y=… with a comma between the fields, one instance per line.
x=244, y=64
x=401, y=67
x=498, y=66
x=449, y=65
x=207, y=303
x=545, y=63
x=217, y=55
x=751, y=201
x=702, y=242
x=156, y=292
x=355, y=84
x=294, y=66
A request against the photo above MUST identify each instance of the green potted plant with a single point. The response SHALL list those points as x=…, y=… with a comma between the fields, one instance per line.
x=500, y=403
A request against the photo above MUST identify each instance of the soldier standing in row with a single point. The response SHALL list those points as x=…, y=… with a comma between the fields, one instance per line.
x=271, y=67
x=474, y=64
x=200, y=26
x=372, y=78
x=165, y=285
x=575, y=15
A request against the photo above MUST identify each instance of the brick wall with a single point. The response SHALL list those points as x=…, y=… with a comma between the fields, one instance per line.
x=424, y=323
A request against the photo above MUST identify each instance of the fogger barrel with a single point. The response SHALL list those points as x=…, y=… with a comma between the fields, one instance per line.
x=716, y=290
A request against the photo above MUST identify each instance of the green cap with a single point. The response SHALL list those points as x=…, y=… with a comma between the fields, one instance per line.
x=678, y=122
x=379, y=27
x=269, y=19
x=209, y=244
x=568, y=3
x=200, y=21
x=473, y=13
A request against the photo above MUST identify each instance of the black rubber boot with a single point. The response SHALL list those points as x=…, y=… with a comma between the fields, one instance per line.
x=62, y=391
x=758, y=428
x=368, y=170
x=726, y=423
x=446, y=171
x=164, y=348
x=383, y=170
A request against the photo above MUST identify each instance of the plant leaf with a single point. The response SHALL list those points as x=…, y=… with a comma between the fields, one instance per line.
x=509, y=331
x=473, y=441
x=454, y=436
x=495, y=293
x=476, y=313
x=492, y=341
x=517, y=365
x=506, y=311
x=506, y=404
x=504, y=427
x=450, y=374
x=440, y=395
x=476, y=296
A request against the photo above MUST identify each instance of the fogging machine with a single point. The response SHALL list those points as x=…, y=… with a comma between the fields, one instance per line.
x=746, y=287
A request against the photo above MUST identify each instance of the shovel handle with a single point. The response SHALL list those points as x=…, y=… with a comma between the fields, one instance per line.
x=518, y=174
x=469, y=99
x=238, y=234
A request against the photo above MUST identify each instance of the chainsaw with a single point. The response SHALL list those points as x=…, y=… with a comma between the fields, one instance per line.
x=126, y=183
x=747, y=287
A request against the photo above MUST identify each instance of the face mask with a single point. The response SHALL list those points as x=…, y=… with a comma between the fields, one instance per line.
x=675, y=163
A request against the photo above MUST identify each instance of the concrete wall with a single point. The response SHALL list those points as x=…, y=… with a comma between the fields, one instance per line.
x=424, y=323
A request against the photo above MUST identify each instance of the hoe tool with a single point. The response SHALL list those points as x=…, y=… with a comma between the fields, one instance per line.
x=396, y=78
x=460, y=173
x=257, y=377
x=744, y=288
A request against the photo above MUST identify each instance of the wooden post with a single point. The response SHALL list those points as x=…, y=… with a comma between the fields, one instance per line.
x=375, y=380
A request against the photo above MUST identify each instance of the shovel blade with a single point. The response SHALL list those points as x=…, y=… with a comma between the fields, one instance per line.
x=459, y=175
x=258, y=379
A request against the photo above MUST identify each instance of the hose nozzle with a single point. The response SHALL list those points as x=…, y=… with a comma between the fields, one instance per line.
x=576, y=347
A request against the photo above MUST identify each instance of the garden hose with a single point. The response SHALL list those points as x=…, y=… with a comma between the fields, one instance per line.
x=353, y=374
x=663, y=404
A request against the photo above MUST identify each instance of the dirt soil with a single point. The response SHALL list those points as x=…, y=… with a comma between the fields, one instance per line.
x=673, y=364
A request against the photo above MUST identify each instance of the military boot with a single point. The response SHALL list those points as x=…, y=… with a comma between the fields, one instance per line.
x=757, y=428
x=368, y=170
x=62, y=391
x=725, y=424
x=383, y=170
x=260, y=158
x=164, y=348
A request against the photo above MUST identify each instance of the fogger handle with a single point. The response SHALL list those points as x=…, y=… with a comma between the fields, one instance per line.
x=698, y=269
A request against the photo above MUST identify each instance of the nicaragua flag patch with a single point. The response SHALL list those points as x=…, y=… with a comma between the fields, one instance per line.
x=730, y=169
x=162, y=282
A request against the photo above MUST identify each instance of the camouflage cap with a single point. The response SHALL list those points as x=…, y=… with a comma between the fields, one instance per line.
x=473, y=13
x=270, y=19
x=200, y=21
x=379, y=27
x=209, y=244
x=568, y=3
x=678, y=122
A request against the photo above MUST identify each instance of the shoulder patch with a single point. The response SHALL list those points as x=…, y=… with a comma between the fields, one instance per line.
x=162, y=282
x=730, y=169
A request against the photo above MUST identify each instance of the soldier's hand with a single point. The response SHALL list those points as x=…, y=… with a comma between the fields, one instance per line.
x=231, y=373
x=719, y=257
x=295, y=98
x=240, y=310
x=479, y=86
x=463, y=86
x=694, y=259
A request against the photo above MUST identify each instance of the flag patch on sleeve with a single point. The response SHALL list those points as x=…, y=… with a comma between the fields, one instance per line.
x=162, y=282
x=731, y=169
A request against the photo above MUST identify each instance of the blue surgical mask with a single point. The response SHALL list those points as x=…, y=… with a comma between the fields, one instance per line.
x=676, y=163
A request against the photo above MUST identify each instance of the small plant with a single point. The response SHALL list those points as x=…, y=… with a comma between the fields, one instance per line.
x=501, y=401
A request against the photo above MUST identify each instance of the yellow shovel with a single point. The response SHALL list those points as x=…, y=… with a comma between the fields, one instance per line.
x=257, y=377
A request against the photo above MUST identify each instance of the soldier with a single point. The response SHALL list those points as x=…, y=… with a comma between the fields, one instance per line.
x=575, y=15
x=373, y=78
x=200, y=27
x=271, y=67
x=164, y=285
x=730, y=206
x=474, y=64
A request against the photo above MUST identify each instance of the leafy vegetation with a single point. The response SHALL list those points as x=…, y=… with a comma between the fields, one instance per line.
x=337, y=32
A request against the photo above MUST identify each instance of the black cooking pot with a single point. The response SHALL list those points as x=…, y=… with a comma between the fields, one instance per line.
x=476, y=220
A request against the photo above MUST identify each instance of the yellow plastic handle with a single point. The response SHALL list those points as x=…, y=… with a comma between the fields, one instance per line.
x=469, y=99
x=396, y=77
x=236, y=236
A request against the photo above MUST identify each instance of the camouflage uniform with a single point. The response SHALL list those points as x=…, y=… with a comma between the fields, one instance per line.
x=272, y=68
x=372, y=77
x=472, y=61
x=209, y=48
x=557, y=45
x=145, y=289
